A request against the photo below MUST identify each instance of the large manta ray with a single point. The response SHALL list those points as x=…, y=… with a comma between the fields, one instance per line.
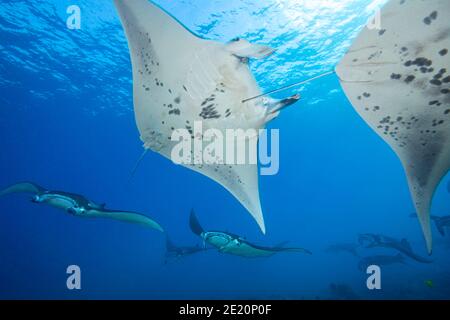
x=179, y=79
x=229, y=243
x=398, y=80
x=78, y=205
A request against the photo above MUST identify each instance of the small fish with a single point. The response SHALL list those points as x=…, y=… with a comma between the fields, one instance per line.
x=429, y=283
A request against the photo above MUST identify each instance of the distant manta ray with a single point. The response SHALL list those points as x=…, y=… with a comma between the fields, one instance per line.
x=179, y=79
x=370, y=240
x=78, y=205
x=226, y=242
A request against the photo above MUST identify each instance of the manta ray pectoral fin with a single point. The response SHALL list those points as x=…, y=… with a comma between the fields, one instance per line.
x=244, y=49
x=126, y=216
x=394, y=79
x=27, y=187
x=194, y=224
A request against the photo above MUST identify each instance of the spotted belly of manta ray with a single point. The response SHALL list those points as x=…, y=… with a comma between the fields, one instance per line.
x=398, y=80
x=179, y=78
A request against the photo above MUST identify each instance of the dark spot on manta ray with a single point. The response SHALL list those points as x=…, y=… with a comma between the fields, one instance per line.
x=445, y=91
x=177, y=100
x=447, y=111
x=396, y=76
x=366, y=94
x=170, y=91
x=420, y=62
x=432, y=103
x=443, y=52
x=185, y=88
x=409, y=78
x=175, y=111
x=381, y=32
x=436, y=82
x=446, y=79
x=430, y=18
x=385, y=120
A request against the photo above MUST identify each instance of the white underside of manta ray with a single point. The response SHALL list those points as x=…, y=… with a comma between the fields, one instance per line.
x=398, y=80
x=179, y=78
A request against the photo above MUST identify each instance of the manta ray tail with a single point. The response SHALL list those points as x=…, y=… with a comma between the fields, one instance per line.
x=282, y=247
x=195, y=224
x=301, y=250
x=27, y=187
x=290, y=86
x=136, y=166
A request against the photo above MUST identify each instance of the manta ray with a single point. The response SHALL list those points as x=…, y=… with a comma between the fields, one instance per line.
x=370, y=240
x=78, y=205
x=180, y=79
x=398, y=80
x=229, y=243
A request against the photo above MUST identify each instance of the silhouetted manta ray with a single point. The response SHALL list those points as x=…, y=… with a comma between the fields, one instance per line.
x=398, y=80
x=233, y=244
x=370, y=240
x=179, y=79
x=78, y=205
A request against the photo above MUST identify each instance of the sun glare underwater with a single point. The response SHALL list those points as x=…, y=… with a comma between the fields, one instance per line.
x=339, y=201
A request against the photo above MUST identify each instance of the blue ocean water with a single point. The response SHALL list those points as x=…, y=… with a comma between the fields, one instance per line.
x=66, y=122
